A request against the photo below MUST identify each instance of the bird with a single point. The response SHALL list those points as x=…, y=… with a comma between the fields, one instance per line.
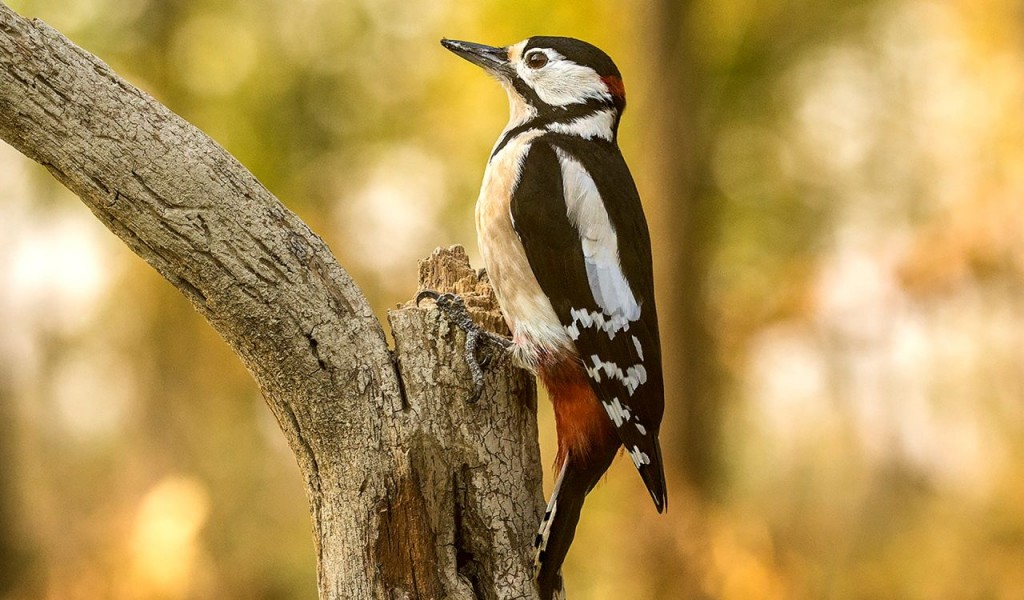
x=566, y=247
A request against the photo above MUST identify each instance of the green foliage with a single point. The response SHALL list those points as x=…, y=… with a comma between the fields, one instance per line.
x=856, y=172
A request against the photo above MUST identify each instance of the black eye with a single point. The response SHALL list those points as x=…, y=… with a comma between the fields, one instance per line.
x=536, y=60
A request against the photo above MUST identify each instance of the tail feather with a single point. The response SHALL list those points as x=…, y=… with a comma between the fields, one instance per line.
x=653, y=475
x=558, y=528
x=544, y=531
x=587, y=443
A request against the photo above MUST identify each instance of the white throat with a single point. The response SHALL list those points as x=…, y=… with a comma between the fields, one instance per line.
x=519, y=110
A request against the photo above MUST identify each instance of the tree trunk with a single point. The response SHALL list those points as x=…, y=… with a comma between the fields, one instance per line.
x=413, y=491
x=684, y=182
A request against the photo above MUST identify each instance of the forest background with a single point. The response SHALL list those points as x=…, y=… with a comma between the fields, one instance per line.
x=834, y=190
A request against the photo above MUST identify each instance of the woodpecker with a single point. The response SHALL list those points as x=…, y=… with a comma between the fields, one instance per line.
x=566, y=247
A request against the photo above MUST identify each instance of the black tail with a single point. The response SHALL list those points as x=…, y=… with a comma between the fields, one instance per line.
x=653, y=475
x=558, y=527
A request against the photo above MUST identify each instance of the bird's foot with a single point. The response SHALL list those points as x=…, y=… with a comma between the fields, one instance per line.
x=476, y=338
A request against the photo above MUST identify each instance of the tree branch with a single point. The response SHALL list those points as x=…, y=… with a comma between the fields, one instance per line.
x=413, y=493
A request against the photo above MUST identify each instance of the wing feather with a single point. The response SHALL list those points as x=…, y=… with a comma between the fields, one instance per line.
x=590, y=252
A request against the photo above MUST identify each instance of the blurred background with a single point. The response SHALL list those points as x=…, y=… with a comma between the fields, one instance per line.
x=834, y=190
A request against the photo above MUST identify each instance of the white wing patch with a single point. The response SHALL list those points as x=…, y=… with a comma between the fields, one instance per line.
x=608, y=284
x=632, y=378
x=600, y=250
x=639, y=458
x=592, y=318
x=618, y=413
x=639, y=348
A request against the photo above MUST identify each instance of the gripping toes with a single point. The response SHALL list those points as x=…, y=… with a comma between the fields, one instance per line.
x=455, y=309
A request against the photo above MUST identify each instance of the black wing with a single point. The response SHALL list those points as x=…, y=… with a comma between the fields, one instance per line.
x=607, y=308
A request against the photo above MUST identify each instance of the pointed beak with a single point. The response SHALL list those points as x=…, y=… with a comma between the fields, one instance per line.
x=493, y=60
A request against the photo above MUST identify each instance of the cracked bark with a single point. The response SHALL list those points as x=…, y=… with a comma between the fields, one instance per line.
x=413, y=492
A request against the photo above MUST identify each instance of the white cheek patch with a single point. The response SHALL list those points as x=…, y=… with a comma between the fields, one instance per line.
x=561, y=82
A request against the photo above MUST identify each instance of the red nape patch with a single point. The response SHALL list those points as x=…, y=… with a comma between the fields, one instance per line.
x=616, y=87
x=582, y=424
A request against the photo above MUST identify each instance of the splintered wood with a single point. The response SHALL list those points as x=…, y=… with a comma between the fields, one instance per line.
x=448, y=270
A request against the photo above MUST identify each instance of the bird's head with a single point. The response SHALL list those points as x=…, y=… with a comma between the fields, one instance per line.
x=550, y=77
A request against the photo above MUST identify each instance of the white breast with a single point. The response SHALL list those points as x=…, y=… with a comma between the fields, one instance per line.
x=527, y=310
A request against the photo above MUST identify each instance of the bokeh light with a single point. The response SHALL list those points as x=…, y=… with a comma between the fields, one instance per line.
x=845, y=330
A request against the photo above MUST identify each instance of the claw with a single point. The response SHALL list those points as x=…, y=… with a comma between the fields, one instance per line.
x=453, y=306
x=485, y=360
x=426, y=294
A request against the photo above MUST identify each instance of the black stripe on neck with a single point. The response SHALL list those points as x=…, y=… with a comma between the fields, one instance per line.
x=557, y=114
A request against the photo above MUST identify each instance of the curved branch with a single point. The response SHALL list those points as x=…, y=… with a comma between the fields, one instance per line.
x=181, y=202
x=459, y=488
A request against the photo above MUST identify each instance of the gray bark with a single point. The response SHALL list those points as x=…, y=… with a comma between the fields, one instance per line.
x=413, y=492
